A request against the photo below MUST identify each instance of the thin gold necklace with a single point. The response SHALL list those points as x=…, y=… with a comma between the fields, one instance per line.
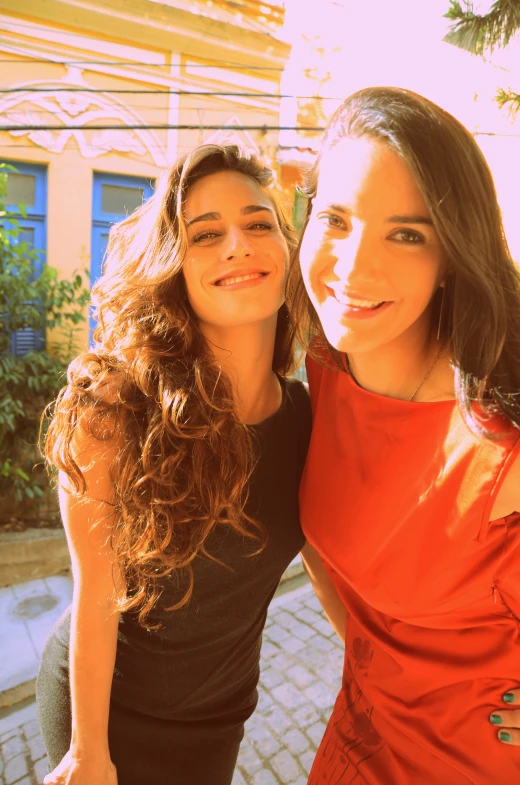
x=428, y=372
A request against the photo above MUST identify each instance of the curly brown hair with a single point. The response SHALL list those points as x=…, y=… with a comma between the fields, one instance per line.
x=185, y=457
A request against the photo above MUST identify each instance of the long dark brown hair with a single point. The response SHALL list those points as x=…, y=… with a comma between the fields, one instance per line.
x=481, y=310
x=186, y=458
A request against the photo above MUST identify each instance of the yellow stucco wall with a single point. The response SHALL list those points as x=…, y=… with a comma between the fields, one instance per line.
x=51, y=32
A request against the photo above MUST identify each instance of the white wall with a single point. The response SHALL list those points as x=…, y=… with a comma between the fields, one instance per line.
x=401, y=43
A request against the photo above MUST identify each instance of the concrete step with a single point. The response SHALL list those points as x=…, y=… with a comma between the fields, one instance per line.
x=32, y=554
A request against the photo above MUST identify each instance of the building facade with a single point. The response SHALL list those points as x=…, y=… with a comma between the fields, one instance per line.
x=97, y=98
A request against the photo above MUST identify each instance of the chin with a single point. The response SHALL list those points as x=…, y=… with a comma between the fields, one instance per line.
x=348, y=343
x=339, y=340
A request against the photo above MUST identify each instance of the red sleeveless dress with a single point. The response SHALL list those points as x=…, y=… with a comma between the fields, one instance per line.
x=396, y=498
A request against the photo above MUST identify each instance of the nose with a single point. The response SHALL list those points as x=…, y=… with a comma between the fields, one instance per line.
x=236, y=245
x=355, y=260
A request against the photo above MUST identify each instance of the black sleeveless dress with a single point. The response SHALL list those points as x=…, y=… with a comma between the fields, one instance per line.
x=181, y=694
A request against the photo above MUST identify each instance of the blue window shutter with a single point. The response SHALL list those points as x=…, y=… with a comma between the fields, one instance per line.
x=33, y=231
x=113, y=198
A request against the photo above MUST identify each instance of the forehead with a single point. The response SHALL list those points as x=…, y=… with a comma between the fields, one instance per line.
x=365, y=175
x=223, y=192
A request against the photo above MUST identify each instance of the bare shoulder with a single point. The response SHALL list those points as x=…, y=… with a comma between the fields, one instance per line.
x=87, y=487
x=99, y=415
x=94, y=441
x=508, y=497
x=87, y=483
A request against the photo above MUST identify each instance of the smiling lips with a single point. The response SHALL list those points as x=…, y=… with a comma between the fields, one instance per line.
x=351, y=302
x=355, y=303
x=255, y=276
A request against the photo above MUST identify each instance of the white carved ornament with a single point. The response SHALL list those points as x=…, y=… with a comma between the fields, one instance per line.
x=24, y=107
x=232, y=133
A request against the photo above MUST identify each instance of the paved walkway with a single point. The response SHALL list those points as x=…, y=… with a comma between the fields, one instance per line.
x=27, y=613
x=301, y=673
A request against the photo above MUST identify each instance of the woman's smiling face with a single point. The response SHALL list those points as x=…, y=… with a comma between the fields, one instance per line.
x=236, y=261
x=371, y=259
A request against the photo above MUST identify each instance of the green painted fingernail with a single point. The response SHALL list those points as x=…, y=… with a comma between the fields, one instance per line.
x=503, y=736
x=496, y=719
x=509, y=697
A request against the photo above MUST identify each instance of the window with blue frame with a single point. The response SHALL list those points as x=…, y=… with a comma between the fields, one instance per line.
x=114, y=197
x=28, y=187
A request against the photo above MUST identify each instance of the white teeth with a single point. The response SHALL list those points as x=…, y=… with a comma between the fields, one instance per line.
x=344, y=300
x=239, y=279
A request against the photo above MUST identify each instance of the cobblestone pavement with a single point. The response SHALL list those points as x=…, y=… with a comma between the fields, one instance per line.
x=301, y=673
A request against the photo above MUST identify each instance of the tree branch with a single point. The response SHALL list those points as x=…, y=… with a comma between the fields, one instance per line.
x=509, y=99
x=476, y=33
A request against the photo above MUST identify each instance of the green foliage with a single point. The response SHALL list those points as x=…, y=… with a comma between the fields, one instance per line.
x=299, y=210
x=509, y=100
x=37, y=300
x=480, y=33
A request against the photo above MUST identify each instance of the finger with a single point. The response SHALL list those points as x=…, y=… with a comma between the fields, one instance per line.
x=513, y=696
x=507, y=718
x=510, y=736
x=53, y=778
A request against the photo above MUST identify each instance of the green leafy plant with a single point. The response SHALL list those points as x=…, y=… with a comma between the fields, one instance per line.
x=32, y=297
x=481, y=33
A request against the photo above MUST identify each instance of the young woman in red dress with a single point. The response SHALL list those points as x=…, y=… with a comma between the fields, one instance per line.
x=411, y=493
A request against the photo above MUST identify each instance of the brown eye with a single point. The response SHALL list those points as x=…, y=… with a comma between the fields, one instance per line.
x=407, y=236
x=260, y=227
x=208, y=235
x=332, y=221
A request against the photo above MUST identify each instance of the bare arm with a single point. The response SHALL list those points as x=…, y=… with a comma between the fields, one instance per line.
x=88, y=521
x=93, y=621
x=325, y=590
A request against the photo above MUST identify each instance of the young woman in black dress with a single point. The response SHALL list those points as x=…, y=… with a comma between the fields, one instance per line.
x=180, y=443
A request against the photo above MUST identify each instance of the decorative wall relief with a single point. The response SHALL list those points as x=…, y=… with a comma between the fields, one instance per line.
x=56, y=106
x=232, y=133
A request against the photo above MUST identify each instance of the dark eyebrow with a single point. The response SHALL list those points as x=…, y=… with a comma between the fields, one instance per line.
x=393, y=219
x=409, y=219
x=337, y=208
x=255, y=208
x=251, y=208
x=204, y=217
